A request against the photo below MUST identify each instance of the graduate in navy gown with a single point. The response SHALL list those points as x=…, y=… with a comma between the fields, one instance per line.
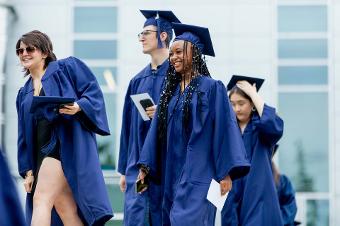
x=286, y=194
x=57, y=149
x=253, y=200
x=139, y=209
x=10, y=208
x=194, y=138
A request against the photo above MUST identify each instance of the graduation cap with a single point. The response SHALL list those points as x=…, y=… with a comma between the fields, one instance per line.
x=49, y=102
x=235, y=78
x=198, y=36
x=162, y=19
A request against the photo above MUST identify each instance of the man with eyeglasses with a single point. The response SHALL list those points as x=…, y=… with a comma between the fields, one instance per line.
x=144, y=208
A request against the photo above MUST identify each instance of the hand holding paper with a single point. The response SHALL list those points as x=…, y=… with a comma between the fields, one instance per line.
x=143, y=101
x=150, y=111
x=214, y=195
x=226, y=185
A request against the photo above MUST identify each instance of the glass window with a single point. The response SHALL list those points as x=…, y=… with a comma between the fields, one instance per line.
x=106, y=144
x=95, y=19
x=317, y=213
x=95, y=49
x=117, y=201
x=302, y=18
x=307, y=75
x=304, y=144
x=302, y=48
x=114, y=223
x=116, y=197
x=103, y=75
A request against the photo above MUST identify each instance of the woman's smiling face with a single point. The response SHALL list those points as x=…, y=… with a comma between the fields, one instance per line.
x=181, y=57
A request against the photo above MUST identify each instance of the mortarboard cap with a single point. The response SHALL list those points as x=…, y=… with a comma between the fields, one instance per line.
x=235, y=78
x=162, y=19
x=49, y=102
x=198, y=36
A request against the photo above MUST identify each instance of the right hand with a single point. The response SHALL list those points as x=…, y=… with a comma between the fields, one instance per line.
x=28, y=181
x=122, y=183
x=225, y=185
x=150, y=111
x=246, y=87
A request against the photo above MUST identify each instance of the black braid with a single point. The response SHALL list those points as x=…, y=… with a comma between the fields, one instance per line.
x=172, y=79
x=199, y=68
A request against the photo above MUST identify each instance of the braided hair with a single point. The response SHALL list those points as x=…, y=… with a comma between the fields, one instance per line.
x=173, y=78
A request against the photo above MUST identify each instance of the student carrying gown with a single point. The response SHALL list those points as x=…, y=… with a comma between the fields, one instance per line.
x=75, y=136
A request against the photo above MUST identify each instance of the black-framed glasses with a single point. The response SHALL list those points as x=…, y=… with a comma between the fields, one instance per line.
x=29, y=50
x=145, y=33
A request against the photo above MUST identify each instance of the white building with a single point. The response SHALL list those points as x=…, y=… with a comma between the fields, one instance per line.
x=293, y=44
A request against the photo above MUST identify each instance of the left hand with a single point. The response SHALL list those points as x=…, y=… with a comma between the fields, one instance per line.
x=226, y=185
x=70, y=109
x=247, y=87
x=150, y=111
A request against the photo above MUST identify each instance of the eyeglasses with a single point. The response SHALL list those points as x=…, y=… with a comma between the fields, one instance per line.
x=29, y=50
x=145, y=33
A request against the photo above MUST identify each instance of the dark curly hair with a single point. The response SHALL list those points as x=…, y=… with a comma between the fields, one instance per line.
x=40, y=41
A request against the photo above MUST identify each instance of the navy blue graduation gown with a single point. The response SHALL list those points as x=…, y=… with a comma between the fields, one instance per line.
x=10, y=208
x=210, y=148
x=286, y=194
x=253, y=200
x=78, y=147
x=133, y=133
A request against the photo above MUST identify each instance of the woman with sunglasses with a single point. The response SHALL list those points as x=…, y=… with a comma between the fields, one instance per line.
x=194, y=138
x=57, y=150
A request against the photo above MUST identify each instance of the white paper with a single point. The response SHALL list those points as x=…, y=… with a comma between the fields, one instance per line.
x=214, y=195
x=136, y=100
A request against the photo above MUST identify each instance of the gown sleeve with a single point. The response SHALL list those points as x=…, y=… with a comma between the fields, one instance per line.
x=23, y=158
x=91, y=100
x=228, y=148
x=10, y=207
x=287, y=200
x=270, y=126
x=125, y=132
x=149, y=156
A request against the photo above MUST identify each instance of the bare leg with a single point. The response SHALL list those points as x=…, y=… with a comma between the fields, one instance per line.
x=66, y=207
x=48, y=186
x=51, y=183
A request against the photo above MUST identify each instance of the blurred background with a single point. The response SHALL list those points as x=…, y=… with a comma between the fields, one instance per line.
x=293, y=44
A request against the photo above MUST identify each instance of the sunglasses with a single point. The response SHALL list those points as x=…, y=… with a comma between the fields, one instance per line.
x=145, y=33
x=29, y=50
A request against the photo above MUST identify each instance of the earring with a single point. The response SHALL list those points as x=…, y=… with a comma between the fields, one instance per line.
x=253, y=109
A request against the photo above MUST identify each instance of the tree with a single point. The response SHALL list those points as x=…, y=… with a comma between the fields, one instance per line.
x=305, y=183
